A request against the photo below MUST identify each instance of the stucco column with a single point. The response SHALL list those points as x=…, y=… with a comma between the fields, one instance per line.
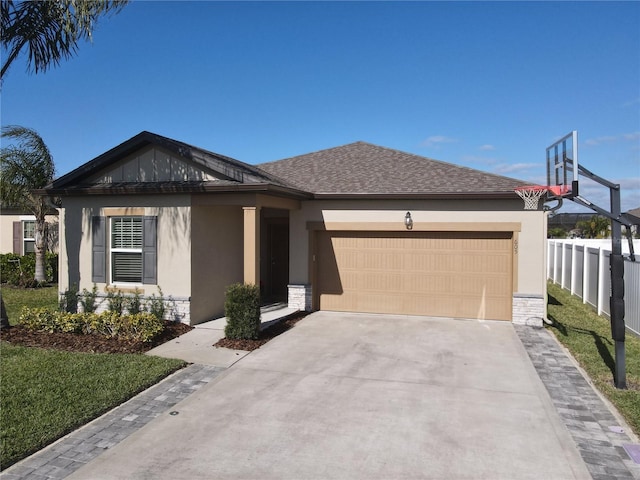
x=251, y=245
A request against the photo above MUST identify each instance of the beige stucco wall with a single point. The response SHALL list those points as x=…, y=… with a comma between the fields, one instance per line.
x=216, y=258
x=531, y=278
x=174, y=240
x=6, y=229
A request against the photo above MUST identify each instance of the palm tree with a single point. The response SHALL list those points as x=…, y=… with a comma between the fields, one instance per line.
x=25, y=166
x=596, y=227
x=50, y=29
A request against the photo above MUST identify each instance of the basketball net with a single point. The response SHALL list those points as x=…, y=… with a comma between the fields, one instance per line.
x=531, y=195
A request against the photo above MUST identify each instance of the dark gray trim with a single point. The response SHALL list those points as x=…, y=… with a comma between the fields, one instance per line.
x=17, y=238
x=99, y=249
x=176, y=188
x=149, y=250
x=509, y=195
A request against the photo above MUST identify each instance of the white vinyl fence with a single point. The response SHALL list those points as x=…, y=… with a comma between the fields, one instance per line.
x=582, y=267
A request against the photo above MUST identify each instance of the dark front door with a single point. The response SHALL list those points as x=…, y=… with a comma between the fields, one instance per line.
x=278, y=258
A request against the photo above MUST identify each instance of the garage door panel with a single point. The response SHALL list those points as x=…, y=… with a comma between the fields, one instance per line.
x=453, y=274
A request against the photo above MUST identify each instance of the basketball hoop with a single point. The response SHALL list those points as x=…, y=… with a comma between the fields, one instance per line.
x=531, y=195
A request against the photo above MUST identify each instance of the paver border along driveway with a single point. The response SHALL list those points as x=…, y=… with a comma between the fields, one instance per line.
x=361, y=396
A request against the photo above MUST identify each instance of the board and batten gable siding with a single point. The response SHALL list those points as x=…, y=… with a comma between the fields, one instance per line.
x=152, y=165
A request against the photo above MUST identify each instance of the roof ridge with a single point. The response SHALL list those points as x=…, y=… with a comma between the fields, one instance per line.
x=317, y=151
x=364, y=167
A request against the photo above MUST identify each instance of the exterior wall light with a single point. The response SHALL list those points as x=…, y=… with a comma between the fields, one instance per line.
x=408, y=221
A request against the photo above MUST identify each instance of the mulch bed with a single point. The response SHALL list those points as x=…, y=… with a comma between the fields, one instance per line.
x=71, y=342
x=265, y=335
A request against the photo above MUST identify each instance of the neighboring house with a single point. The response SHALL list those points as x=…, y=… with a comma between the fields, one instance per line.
x=17, y=231
x=633, y=216
x=357, y=228
x=568, y=221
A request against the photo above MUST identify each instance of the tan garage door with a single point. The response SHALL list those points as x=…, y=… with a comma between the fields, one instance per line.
x=445, y=274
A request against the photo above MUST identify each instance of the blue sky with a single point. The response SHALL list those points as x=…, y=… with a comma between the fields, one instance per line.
x=481, y=84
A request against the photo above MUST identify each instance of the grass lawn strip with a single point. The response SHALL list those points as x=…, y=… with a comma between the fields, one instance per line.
x=47, y=393
x=588, y=337
x=15, y=298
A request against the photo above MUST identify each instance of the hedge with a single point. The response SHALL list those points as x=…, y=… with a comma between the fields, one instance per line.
x=142, y=327
x=20, y=270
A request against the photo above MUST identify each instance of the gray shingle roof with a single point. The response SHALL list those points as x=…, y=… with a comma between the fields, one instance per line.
x=364, y=168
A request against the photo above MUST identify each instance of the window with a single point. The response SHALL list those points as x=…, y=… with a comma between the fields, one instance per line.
x=126, y=249
x=28, y=236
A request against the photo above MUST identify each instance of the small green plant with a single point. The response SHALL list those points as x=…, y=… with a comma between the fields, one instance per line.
x=69, y=300
x=242, y=309
x=134, y=304
x=156, y=305
x=40, y=319
x=88, y=299
x=115, y=301
x=141, y=327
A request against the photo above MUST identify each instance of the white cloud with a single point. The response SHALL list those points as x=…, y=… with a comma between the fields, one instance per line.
x=632, y=102
x=599, y=194
x=514, y=167
x=624, y=137
x=437, y=140
x=631, y=183
x=486, y=148
x=478, y=159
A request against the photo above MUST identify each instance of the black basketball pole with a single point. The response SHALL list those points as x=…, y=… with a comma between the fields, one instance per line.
x=616, y=302
x=616, y=266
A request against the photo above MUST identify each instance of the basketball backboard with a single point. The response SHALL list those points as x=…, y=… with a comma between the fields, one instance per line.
x=562, y=167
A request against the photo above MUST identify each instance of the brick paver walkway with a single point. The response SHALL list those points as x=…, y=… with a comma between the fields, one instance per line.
x=584, y=413
x=62, y=458
x=593, y=427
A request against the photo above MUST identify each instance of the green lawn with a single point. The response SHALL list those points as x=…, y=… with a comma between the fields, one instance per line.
x=588, y=337
x=16, y=298
x=46, y=393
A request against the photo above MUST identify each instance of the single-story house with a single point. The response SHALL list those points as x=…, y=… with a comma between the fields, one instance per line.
x=358, y=228
x=633, y=217
x=17, y=231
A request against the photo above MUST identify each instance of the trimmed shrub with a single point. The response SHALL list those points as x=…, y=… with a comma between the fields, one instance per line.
x=20, y=270
x=69, y=300
x=115, y=301
x=156, y=305
x=142, y=327
x=88, y=299
x=133, y=303
x=242, y=309
x=40, y=319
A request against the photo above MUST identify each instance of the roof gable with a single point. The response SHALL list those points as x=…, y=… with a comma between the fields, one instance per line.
x=153, y=165
x=150, y=158
x=364, y=168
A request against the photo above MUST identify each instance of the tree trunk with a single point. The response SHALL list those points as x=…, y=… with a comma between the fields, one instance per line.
x=4, y=319
x=41, y=249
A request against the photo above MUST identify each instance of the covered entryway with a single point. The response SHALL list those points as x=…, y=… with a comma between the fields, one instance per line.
x=445, y=274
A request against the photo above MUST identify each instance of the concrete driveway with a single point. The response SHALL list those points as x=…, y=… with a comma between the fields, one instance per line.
x=361, y=396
